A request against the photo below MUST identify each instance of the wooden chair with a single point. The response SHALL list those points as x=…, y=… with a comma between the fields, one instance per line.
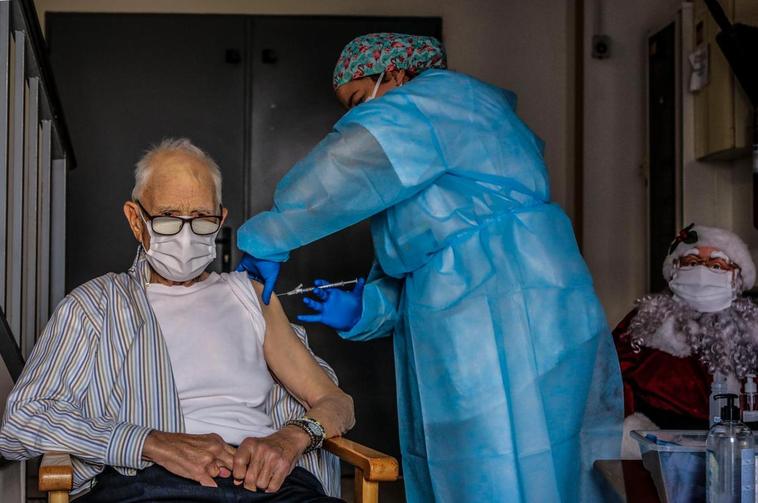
x=371, y=467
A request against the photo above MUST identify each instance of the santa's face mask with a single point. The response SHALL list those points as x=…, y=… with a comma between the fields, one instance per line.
x=704, y=283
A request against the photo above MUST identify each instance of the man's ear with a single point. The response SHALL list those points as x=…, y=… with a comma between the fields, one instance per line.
x=224, y=213
x=132, y=214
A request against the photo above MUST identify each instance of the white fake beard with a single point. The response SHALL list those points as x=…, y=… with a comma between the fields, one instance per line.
x=725, y=341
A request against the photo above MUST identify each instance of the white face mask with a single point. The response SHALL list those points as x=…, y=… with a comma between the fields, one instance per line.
x=180, y=257
x=704, y=289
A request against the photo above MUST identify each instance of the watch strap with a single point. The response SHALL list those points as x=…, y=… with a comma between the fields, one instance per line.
x=312, y=428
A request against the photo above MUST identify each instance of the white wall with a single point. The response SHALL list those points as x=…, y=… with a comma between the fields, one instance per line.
x=715, y=193
x=515, y=44
x=742, y=204
x=728, y=201
x=12, y=483
x=719, y=193
x=614, y=148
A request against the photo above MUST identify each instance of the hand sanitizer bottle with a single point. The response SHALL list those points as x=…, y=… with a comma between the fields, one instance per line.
x=730, y=458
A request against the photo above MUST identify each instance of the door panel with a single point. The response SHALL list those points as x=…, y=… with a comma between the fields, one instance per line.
x=126, y=82
x=662, y=214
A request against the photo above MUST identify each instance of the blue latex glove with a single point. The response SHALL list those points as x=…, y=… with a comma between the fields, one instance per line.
x=337, y=308
x=262, y=270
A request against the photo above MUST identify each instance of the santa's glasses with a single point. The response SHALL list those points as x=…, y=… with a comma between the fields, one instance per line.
x=712, y=263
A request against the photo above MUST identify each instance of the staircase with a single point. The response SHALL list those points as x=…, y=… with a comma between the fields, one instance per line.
x=35, y=155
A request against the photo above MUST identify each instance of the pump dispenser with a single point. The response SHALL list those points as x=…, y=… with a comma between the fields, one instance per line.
x=730, y=457
x=718, y=387
x=749, y=403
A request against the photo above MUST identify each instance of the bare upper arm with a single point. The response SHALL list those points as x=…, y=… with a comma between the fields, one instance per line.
x=288, y=358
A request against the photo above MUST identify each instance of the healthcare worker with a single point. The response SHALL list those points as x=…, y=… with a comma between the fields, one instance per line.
x=507, y=380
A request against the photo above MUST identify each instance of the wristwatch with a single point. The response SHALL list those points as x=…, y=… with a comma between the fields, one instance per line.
x=313, y=428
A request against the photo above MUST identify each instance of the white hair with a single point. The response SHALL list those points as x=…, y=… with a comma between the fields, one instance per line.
x=169, y=145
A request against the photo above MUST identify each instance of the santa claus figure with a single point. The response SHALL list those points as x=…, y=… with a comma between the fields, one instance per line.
x=674, y=342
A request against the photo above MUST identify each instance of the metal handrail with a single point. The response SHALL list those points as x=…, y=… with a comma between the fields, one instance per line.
x=39, y=48
x=35, y=155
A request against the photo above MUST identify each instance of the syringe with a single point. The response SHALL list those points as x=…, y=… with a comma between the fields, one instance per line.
x=299, y=288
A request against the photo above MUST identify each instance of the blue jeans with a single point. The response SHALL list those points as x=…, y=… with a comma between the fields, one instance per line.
x=155, y=483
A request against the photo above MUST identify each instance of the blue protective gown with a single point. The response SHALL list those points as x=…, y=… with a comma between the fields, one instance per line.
x=507, y=380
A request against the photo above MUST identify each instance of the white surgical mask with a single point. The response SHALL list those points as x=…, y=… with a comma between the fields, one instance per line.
x=180, y=257
x=704, y=289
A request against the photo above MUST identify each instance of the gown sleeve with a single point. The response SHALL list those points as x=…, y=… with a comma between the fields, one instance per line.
x=345, y=179
x=381, y=300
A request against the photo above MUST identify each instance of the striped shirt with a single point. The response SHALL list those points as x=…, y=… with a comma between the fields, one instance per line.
x=99, y=381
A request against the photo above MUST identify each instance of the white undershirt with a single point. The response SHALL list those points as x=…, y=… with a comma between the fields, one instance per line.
x=215, y=339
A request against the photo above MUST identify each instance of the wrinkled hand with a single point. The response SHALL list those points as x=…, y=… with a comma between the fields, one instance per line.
x=265, y=462
x=260, y=269
x=196, y=457
x=338, y=308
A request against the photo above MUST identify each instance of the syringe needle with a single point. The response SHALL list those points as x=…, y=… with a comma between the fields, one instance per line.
x=299, y=289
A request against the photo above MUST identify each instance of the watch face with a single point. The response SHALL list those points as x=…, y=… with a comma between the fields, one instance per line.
x=314, y=427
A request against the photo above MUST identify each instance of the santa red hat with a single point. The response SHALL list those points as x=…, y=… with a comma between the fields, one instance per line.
x=726, y=241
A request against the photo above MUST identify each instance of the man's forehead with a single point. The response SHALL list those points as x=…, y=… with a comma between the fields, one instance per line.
x=167, y=202
x=179, y=161
x=175, y=195
x=178, y=185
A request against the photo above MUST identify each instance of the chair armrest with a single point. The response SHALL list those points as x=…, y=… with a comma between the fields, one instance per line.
x=56, y=472
x=376, y=466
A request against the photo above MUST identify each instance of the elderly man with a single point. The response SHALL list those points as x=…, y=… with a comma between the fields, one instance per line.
x=156, y=379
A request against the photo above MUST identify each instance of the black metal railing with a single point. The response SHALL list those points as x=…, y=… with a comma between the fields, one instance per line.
x=35, y=155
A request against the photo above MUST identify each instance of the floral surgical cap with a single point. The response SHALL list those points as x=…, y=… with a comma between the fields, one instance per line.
x=377, y=52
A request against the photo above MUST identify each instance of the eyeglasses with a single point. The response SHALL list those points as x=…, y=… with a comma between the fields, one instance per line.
x=170, y=226
x=712, y=263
